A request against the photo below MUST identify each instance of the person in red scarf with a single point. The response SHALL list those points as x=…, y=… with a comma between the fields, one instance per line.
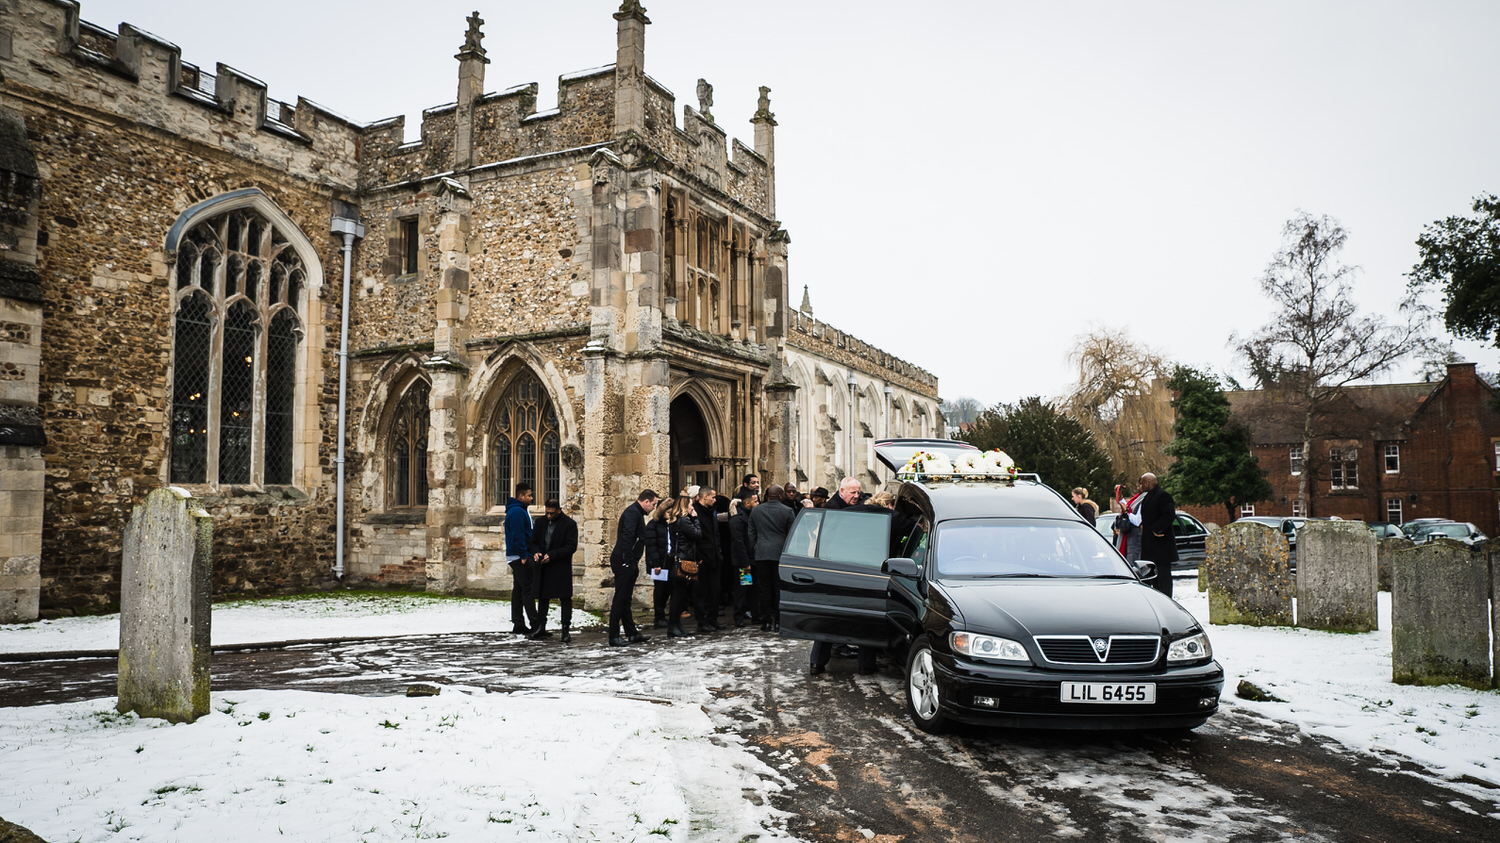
x=1127, y=535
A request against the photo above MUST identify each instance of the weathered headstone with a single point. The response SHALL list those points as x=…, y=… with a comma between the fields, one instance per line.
x=1248, y=575
x=1493, y=552
x=1385, y=552
x=1440, y=629
x=1337, y=577
x=164, y=608
x=1203, y=574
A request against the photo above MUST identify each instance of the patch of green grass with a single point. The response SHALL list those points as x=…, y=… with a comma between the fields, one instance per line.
x=389, y=725
x=264, y=715
x=110, y=717
x=665, y=828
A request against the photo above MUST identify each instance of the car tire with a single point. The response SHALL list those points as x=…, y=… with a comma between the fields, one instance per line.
x=923, y=694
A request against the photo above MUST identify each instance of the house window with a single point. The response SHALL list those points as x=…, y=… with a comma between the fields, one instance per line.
x=237, y=334
x=1296, y=454
x=1298, y=508
x=406, y=468
x=1343, y=466
x=408, y=245
x=1497, y=456
x=1247, y=510
x=525, y=446
x=1392, y=459
x=1393, y=510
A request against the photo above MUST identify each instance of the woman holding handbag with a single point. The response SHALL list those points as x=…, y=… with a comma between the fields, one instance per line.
x=685, y=533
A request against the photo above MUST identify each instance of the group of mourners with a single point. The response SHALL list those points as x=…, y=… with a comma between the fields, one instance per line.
x=706, y=552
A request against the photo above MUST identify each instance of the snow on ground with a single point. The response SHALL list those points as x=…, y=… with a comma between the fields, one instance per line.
x=1338, y=685
x=312, y=767
x=579, y=760
x=351, y=614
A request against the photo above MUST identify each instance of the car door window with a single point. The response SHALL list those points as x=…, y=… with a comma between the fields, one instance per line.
x=860, y=538
x=803, y=540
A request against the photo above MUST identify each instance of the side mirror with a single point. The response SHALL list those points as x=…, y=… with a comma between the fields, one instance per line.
x=1145, y=570
x=899, y=566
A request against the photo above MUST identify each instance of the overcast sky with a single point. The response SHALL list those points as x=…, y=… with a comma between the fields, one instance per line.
x=973, y=185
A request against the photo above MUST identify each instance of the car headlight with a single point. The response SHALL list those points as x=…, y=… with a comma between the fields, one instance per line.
x=1190, y=649
x=988, y=647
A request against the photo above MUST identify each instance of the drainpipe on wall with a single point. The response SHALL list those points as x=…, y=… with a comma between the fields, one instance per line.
x=350, y=228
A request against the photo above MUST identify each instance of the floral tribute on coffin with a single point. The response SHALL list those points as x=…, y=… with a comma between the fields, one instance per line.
x=994, y=465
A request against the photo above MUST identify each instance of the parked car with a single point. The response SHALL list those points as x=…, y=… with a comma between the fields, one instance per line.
x=1461, y=531
x=1384, y=529
x=1191, y=535
x=1410, y=528
x=1006, y=607
x=1287, y=526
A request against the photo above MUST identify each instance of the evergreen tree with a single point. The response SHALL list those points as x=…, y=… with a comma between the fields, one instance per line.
x=1047, y=442
x=1212, y=461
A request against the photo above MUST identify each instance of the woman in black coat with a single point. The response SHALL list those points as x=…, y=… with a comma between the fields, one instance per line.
x=685, y=533
x=658, y=559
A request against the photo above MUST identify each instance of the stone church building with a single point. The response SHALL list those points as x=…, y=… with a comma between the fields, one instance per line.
x=254, y=299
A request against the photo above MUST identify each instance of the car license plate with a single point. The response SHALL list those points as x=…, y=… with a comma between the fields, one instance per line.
x=1138, y=693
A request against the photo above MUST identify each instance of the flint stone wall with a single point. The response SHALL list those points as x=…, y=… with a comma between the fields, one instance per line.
x=1249, y=577
x=164, y=608
x=1440, y=632
x=1337, y=577
x=1385, y=554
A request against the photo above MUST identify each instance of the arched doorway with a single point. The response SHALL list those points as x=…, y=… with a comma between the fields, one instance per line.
x=690, y=444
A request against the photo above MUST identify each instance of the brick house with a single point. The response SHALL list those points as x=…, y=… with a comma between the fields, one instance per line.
x=1392, y=452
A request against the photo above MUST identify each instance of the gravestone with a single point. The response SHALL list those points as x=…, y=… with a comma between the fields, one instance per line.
x=164, y=608
x=1249, y=578
x=1385, y=552
x=1440, y=627
x=1202, y=574
x=1337, y=577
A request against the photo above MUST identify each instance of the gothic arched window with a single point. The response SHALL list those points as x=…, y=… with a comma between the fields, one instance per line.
x=235, y=350
x=407, y=464
x=524, y=442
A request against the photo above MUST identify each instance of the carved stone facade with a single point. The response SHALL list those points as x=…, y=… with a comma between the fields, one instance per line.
x=591, y=299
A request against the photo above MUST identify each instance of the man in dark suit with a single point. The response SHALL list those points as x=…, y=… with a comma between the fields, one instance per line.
x=553, y=543
x=1158, y=542
x=625, y=562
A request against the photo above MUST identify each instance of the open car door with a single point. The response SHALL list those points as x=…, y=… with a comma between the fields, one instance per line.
x=832, y=587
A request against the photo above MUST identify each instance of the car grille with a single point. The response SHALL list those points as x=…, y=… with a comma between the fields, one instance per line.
x=1080, y=649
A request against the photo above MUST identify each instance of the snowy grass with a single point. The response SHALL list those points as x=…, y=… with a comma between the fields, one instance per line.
x=334, y=614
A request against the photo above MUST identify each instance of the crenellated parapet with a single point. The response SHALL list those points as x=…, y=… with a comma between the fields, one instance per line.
x=824, y=340
x=135, y=75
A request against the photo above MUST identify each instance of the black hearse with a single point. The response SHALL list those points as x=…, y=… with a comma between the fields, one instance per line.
x=1006, y=607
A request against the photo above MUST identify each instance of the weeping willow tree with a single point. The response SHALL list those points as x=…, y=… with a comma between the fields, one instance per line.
x=1122, y=398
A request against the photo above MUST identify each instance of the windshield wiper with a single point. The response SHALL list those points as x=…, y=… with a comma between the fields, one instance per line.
x=1013, y=576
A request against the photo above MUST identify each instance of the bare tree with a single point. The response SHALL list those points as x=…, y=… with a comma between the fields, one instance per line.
x=1122, y=398
x=961, y=410
x=1319, y=343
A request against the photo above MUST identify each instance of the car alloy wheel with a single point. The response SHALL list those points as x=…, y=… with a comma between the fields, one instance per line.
x=923, y=697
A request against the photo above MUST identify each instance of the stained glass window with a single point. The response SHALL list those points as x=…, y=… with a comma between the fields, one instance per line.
x=525, y=444
x=234, y=357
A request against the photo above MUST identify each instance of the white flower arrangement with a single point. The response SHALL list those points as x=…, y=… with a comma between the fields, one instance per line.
x=995, y=463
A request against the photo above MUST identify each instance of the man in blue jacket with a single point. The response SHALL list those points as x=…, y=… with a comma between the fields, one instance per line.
x=517, y=551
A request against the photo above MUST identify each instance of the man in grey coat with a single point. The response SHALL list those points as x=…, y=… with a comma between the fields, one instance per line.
x=768, y=529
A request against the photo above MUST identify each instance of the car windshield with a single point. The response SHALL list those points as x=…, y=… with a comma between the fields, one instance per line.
x=1454, y=531
x=1023, y=547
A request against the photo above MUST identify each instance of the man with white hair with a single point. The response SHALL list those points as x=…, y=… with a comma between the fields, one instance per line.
x=848, y=495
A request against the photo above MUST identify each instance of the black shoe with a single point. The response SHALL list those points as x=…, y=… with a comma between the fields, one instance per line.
x=539, y=635
x=659, y=623
x=617, y=641
x=637, y=638
x=565, y=637
x=677, y=631
x=765, y=627
x=713, y=626
x=815, y=669
x=519, y=630
x=704, y=629
x=739, y=623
